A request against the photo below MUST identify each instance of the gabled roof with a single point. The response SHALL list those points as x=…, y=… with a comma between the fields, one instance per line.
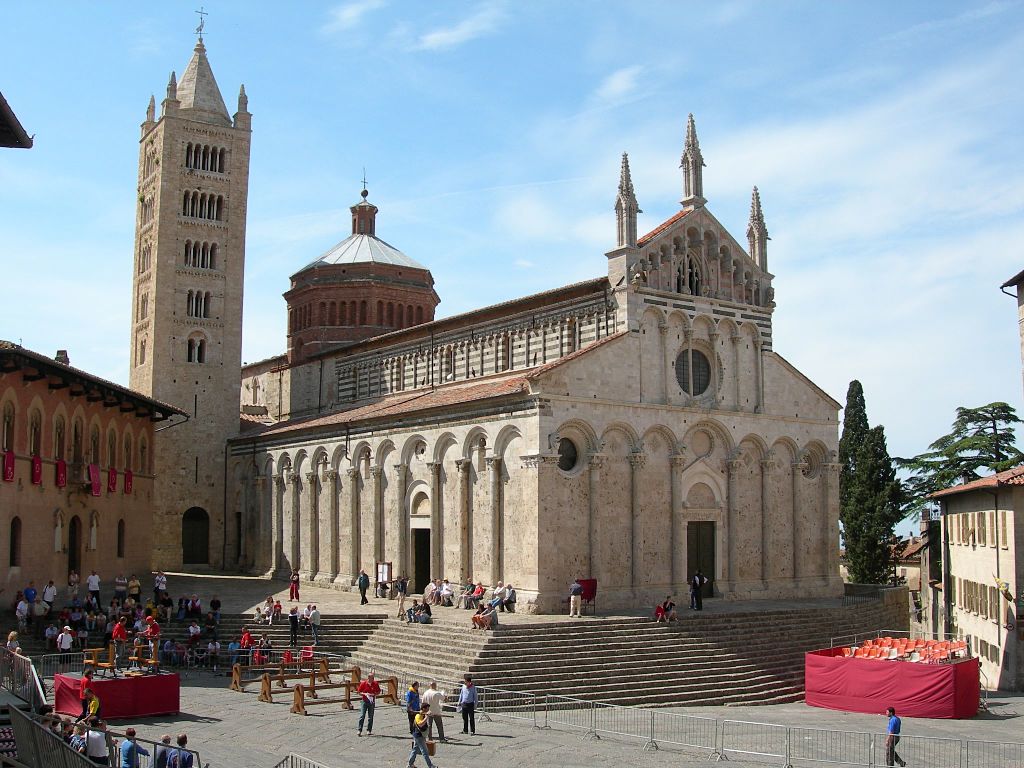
x=363, y=249
x=663, y=226
x=198, y=91
x=1013, y=476
x=11, y=132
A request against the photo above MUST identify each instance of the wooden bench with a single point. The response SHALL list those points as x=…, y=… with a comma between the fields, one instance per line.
x=315, y=676
x=281, y=672
x=308, y=696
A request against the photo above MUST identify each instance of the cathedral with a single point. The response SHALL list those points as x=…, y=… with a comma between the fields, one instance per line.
x=631, y=428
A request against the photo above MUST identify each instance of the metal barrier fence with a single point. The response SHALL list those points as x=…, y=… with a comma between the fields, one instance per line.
x=298, y=761
x=994, y=754
x=817, y=746
x=922, y=750
x=39, y=747
x=19, y=677
x=739, y=737
x=71, y=663
x=685, y=730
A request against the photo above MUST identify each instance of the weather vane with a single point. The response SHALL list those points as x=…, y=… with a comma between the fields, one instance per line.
x=202, y=22
x=364, y=178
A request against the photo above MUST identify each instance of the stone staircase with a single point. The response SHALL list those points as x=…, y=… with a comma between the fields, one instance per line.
x=753, y=657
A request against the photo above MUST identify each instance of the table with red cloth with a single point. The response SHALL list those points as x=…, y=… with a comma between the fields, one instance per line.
x=121, y=697
x=832, y=681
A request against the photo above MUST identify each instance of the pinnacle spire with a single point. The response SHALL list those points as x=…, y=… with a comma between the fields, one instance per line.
x=692, y=162
x=199, y=92
x=172, y=86
x=626, y=208
x=757, y=232
x=243, y=100
x=151, y=109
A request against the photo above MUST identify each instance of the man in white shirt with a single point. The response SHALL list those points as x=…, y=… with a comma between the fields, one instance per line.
x=314, y=624
x=213, y=654
x=93, y=584
x=446, y=593
x=159, y=585
x=49, y=594
x=65, y=642
x=97, y=743
x=435, y=700
x=22, y=613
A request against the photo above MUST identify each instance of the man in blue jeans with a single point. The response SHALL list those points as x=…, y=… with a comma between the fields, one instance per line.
x=892, y=738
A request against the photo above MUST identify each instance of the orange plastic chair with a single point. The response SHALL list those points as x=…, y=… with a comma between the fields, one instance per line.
x=307, y=653
x=847, y=653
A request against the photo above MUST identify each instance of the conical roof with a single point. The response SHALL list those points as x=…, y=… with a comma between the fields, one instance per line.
x=198, y=91
x=363, y=249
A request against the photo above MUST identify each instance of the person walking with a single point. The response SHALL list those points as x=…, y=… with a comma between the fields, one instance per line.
x=293, y=586
x=412, y=703
x=575, y=597
x=293, y=624
x=314, y=624
x=892, y=738
x=363, y=582
x=402, y=587
x=434, y=699
x=697, y=583
x=467, y=705
x=419, y=741
x=369, y=690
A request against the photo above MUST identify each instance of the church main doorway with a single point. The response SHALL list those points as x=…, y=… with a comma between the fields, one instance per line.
x=195, y=537
x=420, y=558
x=700, y=552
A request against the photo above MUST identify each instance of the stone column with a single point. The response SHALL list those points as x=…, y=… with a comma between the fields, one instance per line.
x=313, y=546
x=677, y=463
x=798, y=471
x=436, y=526
x=597, y=461
x=261, y=529
x=295, y=553
x=401, y=521
x=463, y=467
x=636, y=463
x=713, y=363
x=688, y=336
x=377, y=494
x=277, y=529
x=355, y=531
x=830, y=522
x=736, y=338
x=733, y=466
x=331, y=476
x=667, y=378
x=768, y=464
x=494, y=484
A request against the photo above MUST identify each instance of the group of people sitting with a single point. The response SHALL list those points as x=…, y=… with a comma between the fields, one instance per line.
x=472, y=596
x=269, y=612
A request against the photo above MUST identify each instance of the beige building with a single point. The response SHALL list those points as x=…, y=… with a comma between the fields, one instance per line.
x=632, y=428
x=186, y=332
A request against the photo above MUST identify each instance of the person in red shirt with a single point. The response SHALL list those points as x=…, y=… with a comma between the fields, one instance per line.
x=152, y=633
x=120, y=637
x=246, y=644
x=369, y=690
x=84, y=686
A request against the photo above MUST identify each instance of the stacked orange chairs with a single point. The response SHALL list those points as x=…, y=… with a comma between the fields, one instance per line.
x=916, y=650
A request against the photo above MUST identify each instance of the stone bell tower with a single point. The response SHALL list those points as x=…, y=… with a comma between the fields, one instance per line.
x=187, y=304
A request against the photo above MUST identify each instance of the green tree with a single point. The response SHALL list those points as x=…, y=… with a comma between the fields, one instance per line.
x=981, y=439
x=855, y=429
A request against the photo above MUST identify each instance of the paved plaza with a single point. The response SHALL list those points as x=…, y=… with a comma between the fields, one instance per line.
x=234, y=729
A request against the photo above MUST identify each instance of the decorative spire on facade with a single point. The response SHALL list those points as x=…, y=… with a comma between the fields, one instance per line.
x=626, y=208
x=692, y=162
x=243, y=100
x=151, y=110
x=172, y=86
x=757, y=232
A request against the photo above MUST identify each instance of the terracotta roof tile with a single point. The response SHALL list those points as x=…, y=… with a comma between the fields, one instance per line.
x=663, y=226
x=1013, y=476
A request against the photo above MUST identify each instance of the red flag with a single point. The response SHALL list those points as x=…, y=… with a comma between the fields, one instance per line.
x=62, y=473
x=94, y=479
x=9, y=467
x=37, y=470
x=128, y=477
x=111, y=480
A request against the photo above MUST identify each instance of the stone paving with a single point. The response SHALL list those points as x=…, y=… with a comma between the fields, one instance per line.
x=232, y=729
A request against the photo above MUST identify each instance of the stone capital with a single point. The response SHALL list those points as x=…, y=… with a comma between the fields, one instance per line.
x=663, y=329
x=598, y=462
x=735, y=338
x=376, y=472
x=352, y=472
x=734, y=465
x=493, y=462
x=311, y=477
x=435, y=468
x=463, y=465
x=279, y=480
x=292, y=478
x=637, y=459
x=330, y=474
x=678, y=459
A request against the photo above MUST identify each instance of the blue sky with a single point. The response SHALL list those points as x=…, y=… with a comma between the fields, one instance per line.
x=885, y=139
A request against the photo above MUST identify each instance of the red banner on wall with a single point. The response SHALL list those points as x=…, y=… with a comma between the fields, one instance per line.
x=94, y=479
x=128, y=481
x=9, y=466
x=37, y=471
x=111, y=480
x=62, y=473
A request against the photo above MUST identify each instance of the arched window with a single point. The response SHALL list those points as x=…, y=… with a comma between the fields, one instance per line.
x=185, y=204
x=220, y=208
x=143, y=456
x=15, y=553
x=142, y=352
x=58, y=438
x=120, y=538
x=332, y=314
x=7, y=436
x=35, y=433
x=408, y=315
x=201, y=351
x=206, y=304
x=128, y=452
x=190, y=354
x=194, y=205
x=188, y=253
x=190, y=304
x=352, y=313
x=76, y=442
x=111, y=449
x=222, y=161
x=391, y=313
x=213, y=255
x=362, y=313
x=379, y=319
x=94, y=445
x=419, y=314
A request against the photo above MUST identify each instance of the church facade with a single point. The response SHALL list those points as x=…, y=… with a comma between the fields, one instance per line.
x=631, y=428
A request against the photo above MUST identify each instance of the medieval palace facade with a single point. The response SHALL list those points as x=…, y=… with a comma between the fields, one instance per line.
x=631, y=428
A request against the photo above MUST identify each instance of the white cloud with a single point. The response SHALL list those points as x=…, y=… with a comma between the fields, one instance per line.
x=349, y=15
x=951, y=22
x=524, y=263
x=479, y=24
x=620, y=83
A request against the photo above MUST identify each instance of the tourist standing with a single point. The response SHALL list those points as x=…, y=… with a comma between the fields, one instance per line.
x=363, y=582
x=314, y=624
x=293, y=624
x=575, y=597
x=467, y=704
x=72, y=585
x=121, y=588
x=412, y=703
x=434, y=699
x=369, y=690
x=402, y=588
x=97, y=743
x=293, y=586
x=159, y=584
x=92, y=582
x=697, y=583
x=892, y=738
x=181, y=757
x=131, y=751
x=163, y=752
x=49, y=595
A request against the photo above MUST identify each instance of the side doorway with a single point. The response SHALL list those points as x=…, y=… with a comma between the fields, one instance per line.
x=700, y=553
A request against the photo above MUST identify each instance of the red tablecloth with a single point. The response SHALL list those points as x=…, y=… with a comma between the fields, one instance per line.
x=871, y=685
x=121, y=697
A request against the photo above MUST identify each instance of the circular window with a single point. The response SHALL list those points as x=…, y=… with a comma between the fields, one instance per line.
x=568, y=455
x=700, y=376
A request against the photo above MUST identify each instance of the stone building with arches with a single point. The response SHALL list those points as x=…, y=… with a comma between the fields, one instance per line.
x=77, y=483
x=631, y=428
